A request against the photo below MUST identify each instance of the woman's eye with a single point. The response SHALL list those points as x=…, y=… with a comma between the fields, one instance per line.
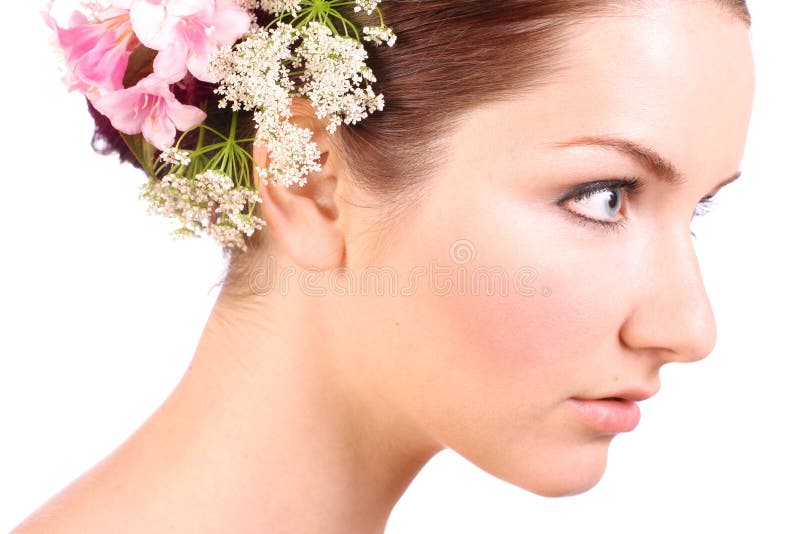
x=600, y=205
x=601, y=202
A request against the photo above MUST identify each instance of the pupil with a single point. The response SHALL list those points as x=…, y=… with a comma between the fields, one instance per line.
x=614, y=200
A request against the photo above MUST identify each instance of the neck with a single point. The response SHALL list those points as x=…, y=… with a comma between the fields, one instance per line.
x=268, y=431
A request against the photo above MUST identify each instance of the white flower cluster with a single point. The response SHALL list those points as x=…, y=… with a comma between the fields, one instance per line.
x=335, y=69
x=379, y=34
x=256, y=74
x=253, y=74
x=175, y=156
x=293, y=6
x=292, y=153
x=367, y=5
x=278, y=6
x=207, y=203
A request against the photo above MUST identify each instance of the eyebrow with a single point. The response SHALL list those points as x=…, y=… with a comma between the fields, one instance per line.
x=663, y=169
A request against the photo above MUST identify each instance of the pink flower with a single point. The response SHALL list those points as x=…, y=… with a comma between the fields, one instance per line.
x=186, y=32
x=96, y=53
x=149, y=107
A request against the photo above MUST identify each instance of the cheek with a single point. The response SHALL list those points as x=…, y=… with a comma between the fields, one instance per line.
x=505, y=335
x=529, y=313
x=533, y=338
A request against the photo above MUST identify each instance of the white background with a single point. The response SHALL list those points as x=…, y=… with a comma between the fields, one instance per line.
x=101, y=311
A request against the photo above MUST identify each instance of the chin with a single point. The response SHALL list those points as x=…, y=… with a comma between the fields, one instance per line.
x=562, y=473
x=565, y=488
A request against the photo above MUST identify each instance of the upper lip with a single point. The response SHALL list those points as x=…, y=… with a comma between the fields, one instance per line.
x=635, y=393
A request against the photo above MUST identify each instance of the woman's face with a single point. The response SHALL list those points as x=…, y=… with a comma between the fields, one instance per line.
x=489, y=372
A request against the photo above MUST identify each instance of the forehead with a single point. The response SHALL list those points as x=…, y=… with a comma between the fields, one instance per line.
x=677, y=75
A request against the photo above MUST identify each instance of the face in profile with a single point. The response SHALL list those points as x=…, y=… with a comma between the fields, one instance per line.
x=588, y=185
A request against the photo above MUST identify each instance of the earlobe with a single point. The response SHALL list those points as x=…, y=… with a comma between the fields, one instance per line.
x=304, y=220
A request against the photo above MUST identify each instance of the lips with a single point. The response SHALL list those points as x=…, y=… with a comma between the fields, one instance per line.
x=635, y=394
x=614, y=412
x=608, y=415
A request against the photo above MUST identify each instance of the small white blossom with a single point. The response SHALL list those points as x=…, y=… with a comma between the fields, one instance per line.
x=279, y=6
x=255, y=75
x=367, y=5
x=175, y=156
x=379, y=34
x=335, y=69
x=292, y=154
x=209, y=202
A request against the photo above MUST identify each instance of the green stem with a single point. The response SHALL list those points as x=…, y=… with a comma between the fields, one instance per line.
x=380, y=14
x=309, y=15
x=200, y=138
x=215, y=132
x=346, y=23
x=234, y=124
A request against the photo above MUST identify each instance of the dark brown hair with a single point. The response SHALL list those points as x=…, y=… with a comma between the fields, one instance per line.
x=451, y=56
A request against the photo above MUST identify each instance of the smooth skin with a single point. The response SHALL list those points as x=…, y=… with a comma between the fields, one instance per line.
x=310, y=412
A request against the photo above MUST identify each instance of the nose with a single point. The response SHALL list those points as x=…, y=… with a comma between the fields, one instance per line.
x=671, y=315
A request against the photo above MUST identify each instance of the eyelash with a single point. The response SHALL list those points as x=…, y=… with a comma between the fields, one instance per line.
x=631, y=186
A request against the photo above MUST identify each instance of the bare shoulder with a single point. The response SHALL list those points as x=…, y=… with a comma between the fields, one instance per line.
x=68, y=511
x=84, y=506
x=54, y=516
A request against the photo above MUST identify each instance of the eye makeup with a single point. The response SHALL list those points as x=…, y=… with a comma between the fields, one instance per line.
x=630, y=187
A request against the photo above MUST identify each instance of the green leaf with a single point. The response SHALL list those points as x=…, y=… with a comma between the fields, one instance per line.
x=143, y=151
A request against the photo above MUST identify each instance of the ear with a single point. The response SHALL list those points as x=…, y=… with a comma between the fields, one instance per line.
x=305, y=220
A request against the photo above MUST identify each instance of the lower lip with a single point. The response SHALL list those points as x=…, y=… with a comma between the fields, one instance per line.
x=610, y=416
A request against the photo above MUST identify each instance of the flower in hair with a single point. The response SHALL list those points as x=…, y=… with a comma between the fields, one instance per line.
x=209, y=202
x=96, y=47
x=145, y=64
x=149, y=107
x=185, y=33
